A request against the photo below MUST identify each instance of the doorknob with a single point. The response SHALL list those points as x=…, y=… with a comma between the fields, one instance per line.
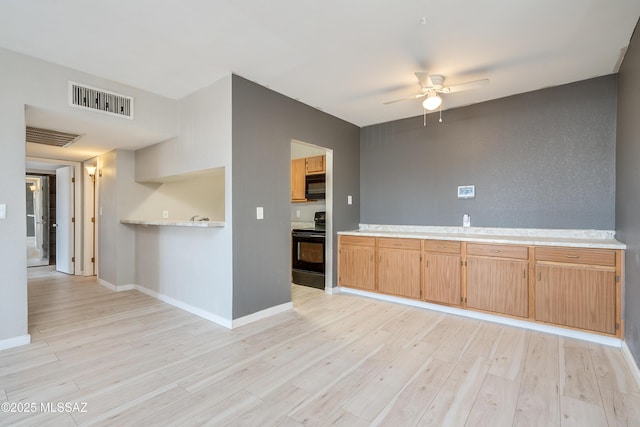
x=54, y=225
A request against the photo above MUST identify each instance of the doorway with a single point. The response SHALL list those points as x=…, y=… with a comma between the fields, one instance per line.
x=40, y=204
x=57, y=247
x=303, y=212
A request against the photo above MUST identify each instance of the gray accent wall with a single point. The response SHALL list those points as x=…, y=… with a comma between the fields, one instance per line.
x=628, y=188
x=264, y=123
x=544, y=159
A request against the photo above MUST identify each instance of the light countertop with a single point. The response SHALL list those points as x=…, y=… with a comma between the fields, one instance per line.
x=602, y=239
x=174, y=223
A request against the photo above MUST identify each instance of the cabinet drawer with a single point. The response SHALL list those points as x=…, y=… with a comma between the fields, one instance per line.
x=502, y=251
x=577, y=256
x=357, y=240
x=444, y=246
x=413, y=244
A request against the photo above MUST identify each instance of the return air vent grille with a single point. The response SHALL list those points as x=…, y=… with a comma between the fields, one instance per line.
x=50, y=137
x=88, y=97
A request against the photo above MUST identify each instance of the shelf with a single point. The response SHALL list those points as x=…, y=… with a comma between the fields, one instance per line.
x=174, y=223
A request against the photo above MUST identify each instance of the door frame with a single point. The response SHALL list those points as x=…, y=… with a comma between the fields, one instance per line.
x=79, y=264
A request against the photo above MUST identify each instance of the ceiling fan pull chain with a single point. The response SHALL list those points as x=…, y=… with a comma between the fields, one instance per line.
x=440, y=114
x=424, y=117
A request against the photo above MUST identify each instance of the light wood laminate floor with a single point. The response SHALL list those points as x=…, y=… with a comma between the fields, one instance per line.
x=333, y=360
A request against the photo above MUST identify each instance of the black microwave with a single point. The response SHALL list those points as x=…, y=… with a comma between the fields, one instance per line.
x=315, y=188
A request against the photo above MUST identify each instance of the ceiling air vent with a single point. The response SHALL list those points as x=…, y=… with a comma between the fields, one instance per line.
x=54, y=138
x=88, y=97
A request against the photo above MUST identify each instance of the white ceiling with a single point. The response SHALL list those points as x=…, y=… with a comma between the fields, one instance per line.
x=344, y=57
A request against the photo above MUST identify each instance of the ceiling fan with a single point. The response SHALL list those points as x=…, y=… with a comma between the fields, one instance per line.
x=432, y=86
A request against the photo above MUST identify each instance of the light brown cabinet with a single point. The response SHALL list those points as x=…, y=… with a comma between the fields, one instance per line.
x=497, y=278
x=298, y=180
x=570, y=287
x=442, y=272
x=316, y=165
x=399, y=264
x=577, y=288
x=356, y=262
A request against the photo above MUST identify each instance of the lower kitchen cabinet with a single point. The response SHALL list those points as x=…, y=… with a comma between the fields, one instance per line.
x=356, y=262
x=570, y=287
x=399, y=265
x=577, y=288
x=496, y=283
x=442, y=268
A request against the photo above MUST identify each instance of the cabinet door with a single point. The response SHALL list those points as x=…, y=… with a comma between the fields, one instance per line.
x=580, y=297
x=442, y=278
x=298, y=179
x=315, y=165
x=399, y=272
x=498, y=285
x=357, y=267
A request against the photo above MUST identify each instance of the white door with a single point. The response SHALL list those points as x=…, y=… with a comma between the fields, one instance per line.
x=65, y=239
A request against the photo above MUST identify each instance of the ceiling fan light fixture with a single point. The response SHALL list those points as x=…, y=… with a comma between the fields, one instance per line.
x=432, y=102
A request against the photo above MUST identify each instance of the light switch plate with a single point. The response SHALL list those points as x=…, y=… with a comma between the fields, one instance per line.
x=165, y=214
x=349, y=200
x=3, y=211
x=259, y=212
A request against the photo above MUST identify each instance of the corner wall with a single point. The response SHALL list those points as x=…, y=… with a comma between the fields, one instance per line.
x=628, y=188
x=191, y=266
x=264, y=123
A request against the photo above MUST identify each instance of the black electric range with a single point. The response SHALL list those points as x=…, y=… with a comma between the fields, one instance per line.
x=307, y=253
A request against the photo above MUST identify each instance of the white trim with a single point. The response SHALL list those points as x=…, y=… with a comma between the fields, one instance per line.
x=631, y=362
x=263, y=314
x=186, y=307
x=171, y=301
x=332, y=291
x=15, y=342
x=107, y=284
x=540, y=327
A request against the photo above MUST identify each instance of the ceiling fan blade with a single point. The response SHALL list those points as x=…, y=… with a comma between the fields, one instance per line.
x=466, y=86
x=424, y=79
x=420, y=95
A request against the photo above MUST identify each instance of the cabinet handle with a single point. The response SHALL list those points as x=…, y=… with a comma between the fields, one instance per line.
x=573, y=256
x=524, y=274
x=494, y=251
x=539, y=276
x=427, y=265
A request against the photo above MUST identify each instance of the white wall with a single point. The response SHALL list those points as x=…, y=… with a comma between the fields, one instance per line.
x=28, y=81
x=191, y=266
x=198, y=194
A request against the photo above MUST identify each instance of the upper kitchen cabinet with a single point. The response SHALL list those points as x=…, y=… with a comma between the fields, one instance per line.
x=316, y=165
x=298, y=167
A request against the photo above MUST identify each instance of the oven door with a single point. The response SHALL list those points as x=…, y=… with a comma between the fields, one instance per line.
x=308, y=251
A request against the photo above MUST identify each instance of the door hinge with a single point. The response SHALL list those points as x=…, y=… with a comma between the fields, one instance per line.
x=617, y=326
x=73, y=259
x=617, y=278
x=93, y=259
x=73, y=179
x=73, y=219
x=93, y=219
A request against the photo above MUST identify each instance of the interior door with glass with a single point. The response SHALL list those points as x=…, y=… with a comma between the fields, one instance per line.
x=37, y=199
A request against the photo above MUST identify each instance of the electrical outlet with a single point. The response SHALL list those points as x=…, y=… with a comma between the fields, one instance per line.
x=466, y=220
x=297, y=213
x=349, y=200
x=165, y=214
